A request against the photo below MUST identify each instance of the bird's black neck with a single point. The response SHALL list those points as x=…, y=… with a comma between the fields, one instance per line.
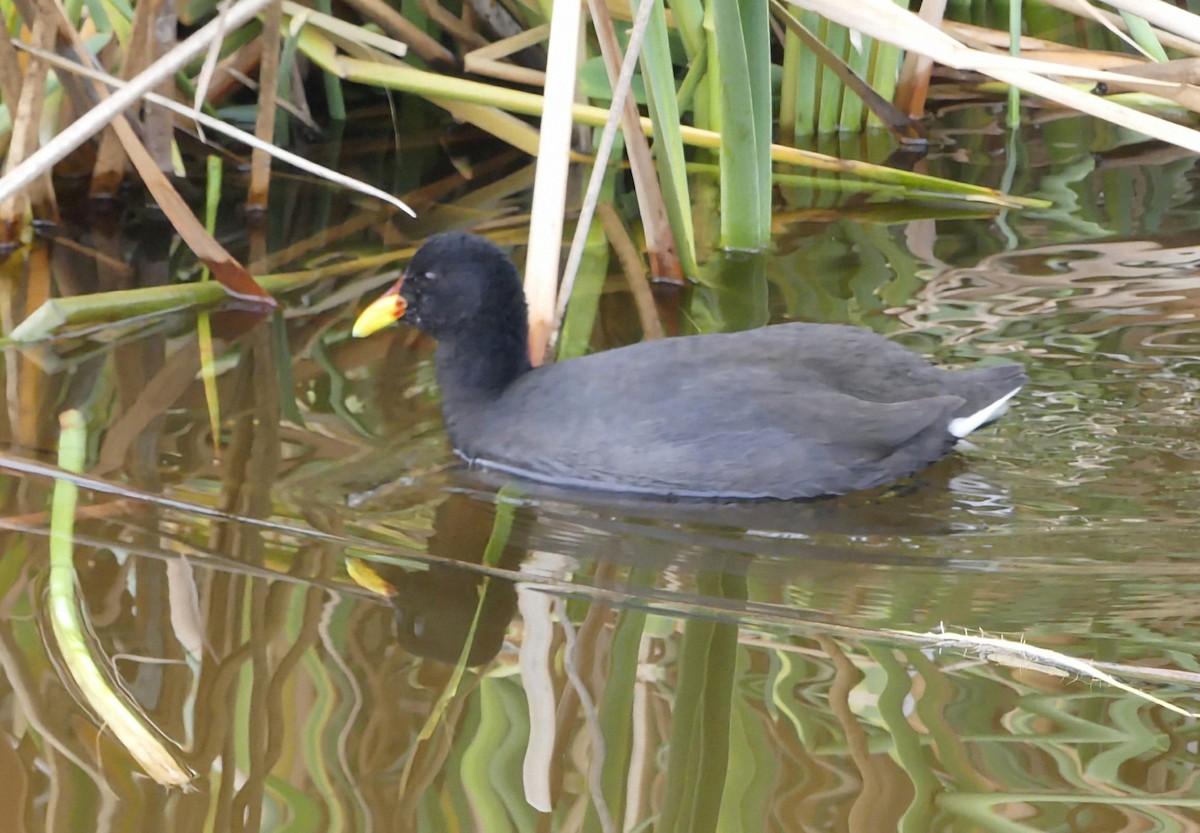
x=477, y=363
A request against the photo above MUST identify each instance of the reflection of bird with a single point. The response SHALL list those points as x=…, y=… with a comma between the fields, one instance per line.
x=789, y=411
x=438, y=610
x=436, y=613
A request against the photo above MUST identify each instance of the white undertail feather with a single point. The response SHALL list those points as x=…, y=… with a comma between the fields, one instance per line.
x=965, y=425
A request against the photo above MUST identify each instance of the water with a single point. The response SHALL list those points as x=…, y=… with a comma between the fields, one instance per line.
x=337, y=628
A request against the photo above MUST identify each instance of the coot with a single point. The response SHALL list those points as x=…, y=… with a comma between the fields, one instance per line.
x=786, y=411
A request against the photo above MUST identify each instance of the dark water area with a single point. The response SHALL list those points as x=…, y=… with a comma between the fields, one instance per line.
x=333, y=626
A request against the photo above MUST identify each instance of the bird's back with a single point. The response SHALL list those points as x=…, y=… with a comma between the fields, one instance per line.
x=789, y=411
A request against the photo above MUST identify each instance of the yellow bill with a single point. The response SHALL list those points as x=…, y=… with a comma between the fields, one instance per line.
x=365, y=576
x=387, y=309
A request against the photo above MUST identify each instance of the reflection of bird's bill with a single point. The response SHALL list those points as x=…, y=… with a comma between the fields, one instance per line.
x=387, y=309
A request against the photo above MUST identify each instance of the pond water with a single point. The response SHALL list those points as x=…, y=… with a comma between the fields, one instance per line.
x=335, y=627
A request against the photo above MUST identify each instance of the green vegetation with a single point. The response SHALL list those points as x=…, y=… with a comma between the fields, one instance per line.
x=733, y=85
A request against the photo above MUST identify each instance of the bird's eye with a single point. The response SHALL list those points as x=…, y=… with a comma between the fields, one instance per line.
x=430, y=275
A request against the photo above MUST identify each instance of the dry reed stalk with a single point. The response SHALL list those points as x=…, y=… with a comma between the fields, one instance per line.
x=27, y=388
x=402, y=29
x=296, y=100
x=95, y=119
x=345, y=34
x=225, y=268
x=10, y=67
x=660, y=243
x=488, y=60
x=887, y=22
x=600, y=165
x=451, y=24
x=1167, y=39
x=1163, y=15
x=979, y=37
x=635, y=273
x=913, y=87
x=232, y=276
x=268, y=87
x=109, y=168
x=158, y=126
x=26, y=121
x=77, y=93
x=239, y=135
x=550, y=187
x=230, y=73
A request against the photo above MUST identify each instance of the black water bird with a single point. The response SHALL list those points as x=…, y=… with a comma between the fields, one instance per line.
x=786, y=411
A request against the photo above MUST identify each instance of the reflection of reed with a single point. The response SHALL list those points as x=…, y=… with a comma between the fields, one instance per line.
x=239, y=632
x=874, y=806
x=1109, y=286
x=156, y=756
x=301, y=685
